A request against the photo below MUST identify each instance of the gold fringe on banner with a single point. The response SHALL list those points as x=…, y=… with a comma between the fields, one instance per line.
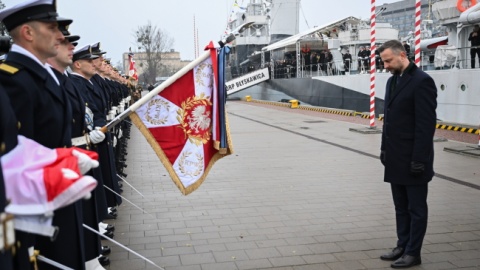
x=166, y=162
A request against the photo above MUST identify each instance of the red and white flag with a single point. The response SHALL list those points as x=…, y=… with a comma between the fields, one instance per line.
x=40, y=180
x=178, y=125
x=132, y=71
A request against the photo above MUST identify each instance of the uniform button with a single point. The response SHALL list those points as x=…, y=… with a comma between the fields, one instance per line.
x=2, y=147
x=19, y=125
x=73, y=120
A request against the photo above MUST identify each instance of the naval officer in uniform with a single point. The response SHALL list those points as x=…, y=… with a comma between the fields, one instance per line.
x=43, y=113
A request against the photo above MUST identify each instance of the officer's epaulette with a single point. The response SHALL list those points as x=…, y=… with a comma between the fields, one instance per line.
x=8, y=68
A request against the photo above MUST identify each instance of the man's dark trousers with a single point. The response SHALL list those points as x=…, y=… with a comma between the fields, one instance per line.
x=411, y=212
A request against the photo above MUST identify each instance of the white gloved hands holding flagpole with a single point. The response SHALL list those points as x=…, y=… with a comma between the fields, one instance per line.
x=96, y=136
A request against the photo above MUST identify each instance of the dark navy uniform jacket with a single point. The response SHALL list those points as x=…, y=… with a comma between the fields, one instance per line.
x=44, y=115
x=96, y=103
x=40, y=106
x=8, y=141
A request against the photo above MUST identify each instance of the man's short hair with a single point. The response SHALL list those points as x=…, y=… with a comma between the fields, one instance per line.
x=394, y=45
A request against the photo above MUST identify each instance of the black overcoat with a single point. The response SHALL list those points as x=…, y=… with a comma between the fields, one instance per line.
x=409, y=126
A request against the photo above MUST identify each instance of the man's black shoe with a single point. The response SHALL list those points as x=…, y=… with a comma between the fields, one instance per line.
x=105, y=250
x=108, y=234
x=407, y=261
x=393, y=255
x=110, y=228
x=110, y=216
x=104, y=261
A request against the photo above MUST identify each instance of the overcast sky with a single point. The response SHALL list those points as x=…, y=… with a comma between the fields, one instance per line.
x=113, y=22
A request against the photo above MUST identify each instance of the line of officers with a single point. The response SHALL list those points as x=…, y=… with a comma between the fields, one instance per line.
x=363, y=59
x=60, y=95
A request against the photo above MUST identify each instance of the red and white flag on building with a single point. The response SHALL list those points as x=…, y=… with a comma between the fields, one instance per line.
x=132, y=71
x=178, y=122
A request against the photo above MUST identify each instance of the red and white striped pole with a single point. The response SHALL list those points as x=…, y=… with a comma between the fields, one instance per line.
x=372, y=66
x=418, y=20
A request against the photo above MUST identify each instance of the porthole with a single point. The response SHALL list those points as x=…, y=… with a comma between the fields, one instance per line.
x=442, y=87
x=463, y=87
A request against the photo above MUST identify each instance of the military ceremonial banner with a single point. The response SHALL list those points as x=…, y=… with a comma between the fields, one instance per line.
x=132, y=71
x=178, y=122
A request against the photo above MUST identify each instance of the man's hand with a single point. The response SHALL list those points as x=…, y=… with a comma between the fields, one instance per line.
x=85, y=163
x=416, y=168
x=96, y=136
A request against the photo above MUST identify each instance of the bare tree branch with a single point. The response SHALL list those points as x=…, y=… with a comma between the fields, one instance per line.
x=152, y=41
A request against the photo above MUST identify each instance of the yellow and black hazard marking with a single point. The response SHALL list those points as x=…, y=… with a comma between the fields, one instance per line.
x=361, y=114
x=325, y=110
x=460, y=129
x=274, y=103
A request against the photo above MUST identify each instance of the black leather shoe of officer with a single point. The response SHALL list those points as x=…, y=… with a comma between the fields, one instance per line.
x=108, y=234
x=110, y=216
x=110, y=228
x=105, y=250
x=104, y=261
x=393, y=255
x=407, y=261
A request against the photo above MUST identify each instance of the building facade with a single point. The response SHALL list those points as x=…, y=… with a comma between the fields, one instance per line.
x=401, y=15
x=170, y=64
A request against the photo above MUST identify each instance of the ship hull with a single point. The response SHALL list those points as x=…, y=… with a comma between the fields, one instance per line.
x=458, y=93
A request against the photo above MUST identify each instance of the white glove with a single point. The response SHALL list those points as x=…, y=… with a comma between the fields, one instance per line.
x=120, y=133
x=69, y=174
x=112, y=114
x=85, y=163
x=114, y=141
x=96, y=136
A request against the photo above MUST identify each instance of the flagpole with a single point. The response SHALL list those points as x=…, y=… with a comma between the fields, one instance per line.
x=156, y=91
x=115, y=121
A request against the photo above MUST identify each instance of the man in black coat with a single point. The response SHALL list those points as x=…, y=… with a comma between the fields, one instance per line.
x=407, y=149
x=42, y=110
x=474, y=39
x=347, y=60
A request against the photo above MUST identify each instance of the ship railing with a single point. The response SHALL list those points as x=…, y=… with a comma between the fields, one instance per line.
x=452, y=58
x=456, y=58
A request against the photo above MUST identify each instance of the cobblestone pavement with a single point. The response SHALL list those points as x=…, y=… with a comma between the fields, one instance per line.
x=300, y=192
